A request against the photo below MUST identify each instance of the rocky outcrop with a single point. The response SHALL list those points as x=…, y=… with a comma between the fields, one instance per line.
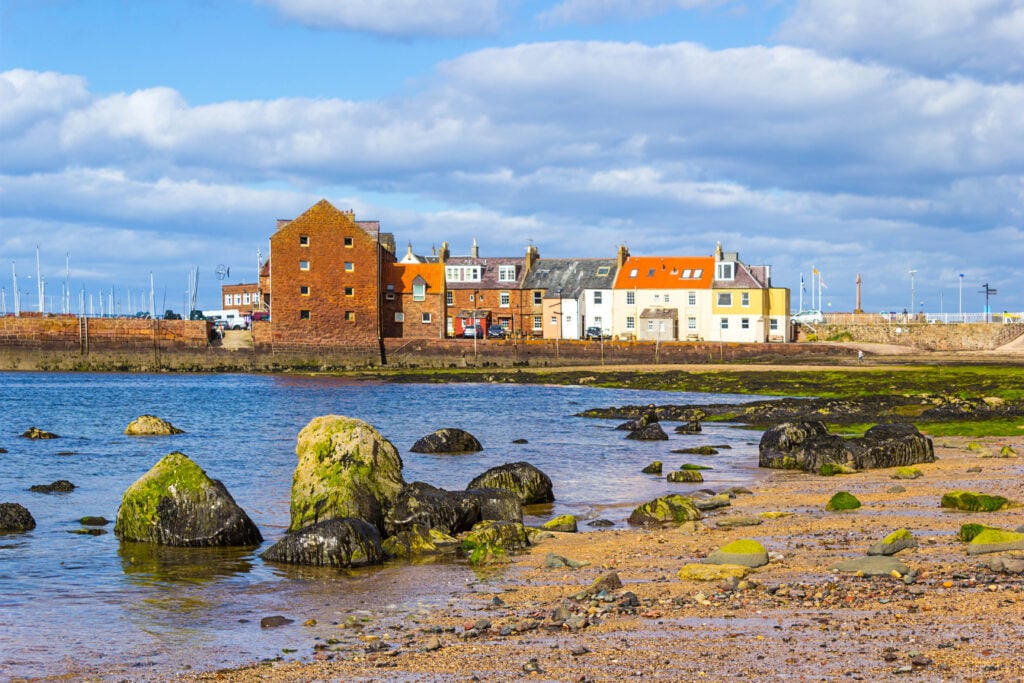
x=338, y=542
x=15, y=518
x=420, y=505
x=563, y=523
x=809, y=445
x=150, y=425
x=528, y=483
x=968, y=501
x=36, y=433
x=447, y=440
x=59, y=486
x=667, y=510
x=175, y=503
x=345, y=469
x=651, y=432
x=842, y=501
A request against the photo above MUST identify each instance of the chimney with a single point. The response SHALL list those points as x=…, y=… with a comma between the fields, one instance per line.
x=532, y=254
x=718, y=251
x=443, y=255
x=475, y=251
x=622, y=255
x=408, y=252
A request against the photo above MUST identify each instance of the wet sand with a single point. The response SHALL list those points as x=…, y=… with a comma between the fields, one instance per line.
x=796, y=621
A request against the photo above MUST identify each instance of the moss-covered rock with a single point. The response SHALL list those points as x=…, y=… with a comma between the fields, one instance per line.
x=150, y=425
x=528, y=483
x=15, y=518
x=874, y=565
x=901, y=539
x=176, y=503
x=1007, y=451
x=346, y=469
x=843, y=500
x=697, y=450
x=337, y=542
x=685, y=477
x=906, y=473
x=973, y=502
x=667, y=510
x=691, y=466
x=653, y=468
x=492, y=533
x=831, y=470
x=36, y=433
x=744, y=552
x=419, y=541
x=969, y=531
x=564, y=523
x=995, y=541
x=712, y=572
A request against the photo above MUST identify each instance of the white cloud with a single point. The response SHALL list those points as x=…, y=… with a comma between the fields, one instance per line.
x=397, y=18
x=591, y=11
x=983, y=38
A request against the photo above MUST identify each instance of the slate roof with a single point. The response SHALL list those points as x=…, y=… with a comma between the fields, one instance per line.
x=746, y=277
x=489, y=272
x=568, y=278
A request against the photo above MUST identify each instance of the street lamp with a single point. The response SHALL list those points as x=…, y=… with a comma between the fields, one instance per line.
x=961, y=297
x=912, y=297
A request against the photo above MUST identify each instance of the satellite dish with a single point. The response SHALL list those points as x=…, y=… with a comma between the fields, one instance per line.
x=222, y=271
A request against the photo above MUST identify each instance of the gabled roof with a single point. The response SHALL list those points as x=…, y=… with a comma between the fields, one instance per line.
x=746, y=277
x=402, y=275
x=666, y=272
x=569, y=278
x=659, y=314
x=325, y=212
x=489, y=271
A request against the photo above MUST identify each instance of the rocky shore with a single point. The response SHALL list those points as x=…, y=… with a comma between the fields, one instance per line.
x=610, y=605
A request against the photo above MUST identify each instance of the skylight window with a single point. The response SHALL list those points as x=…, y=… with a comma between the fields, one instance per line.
x=687, y=273
x=633, y=272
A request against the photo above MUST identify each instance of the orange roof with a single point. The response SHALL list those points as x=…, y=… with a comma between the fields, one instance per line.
x=666, y=272
x=401, y=275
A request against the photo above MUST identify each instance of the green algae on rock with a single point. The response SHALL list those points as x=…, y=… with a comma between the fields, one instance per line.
x=712, y=572
x=667, y=510
x=973, y=502
x=653, y=468
x=745, y=552
x=564, y=523
x=901, y=539
x=907, y=473
x=843, y=500
x=345, y=469
x=150, y=425
x=995, y=541
x=175, y=503
x=969, y=531
x=685, y=477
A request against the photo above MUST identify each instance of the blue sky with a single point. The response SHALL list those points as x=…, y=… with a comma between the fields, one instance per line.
x=855, y=136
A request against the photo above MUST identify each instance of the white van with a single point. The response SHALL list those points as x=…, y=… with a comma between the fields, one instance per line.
x=233, y=319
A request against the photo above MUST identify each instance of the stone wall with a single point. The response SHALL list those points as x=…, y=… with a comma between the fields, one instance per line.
x=82, y=335
x=927, y=336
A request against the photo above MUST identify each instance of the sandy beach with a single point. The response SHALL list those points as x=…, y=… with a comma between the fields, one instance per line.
x=794, y=619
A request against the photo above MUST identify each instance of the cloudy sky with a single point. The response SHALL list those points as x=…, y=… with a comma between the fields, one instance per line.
x=855, y=136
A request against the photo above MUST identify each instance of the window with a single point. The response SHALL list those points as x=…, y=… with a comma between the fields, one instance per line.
x=538, y=298
x=506, y=273
x=745, y=323
x=724, y=323
x=744, y=298
x=449, y=298
x=630, y=298
x=650, y=325
x=633, y=272
x=691, y=299
x=554, y=320
x=227, y=299
x=304, y=290
x=630, y=323
x=603, y=271
x=538, y=323
x=698, y=273
x=399, y=317
x=245, y=298
x=597, y=321
x=666, y=298
x=426, y=318
x=504, y=300
x=419, y=291
x=686, y=274
x=389, y=296
x=462, y=273
x=773, y=324
x=657, y=298
x=349, y=266
x=725, y=298
x=303, y=265
x=650, y=272
x=303, y=240
x=348, y=242
x=303, y=315
x=724, y=270
x=691, y=323
x=351, y=291
x=238, y=299
x=598, y=298
x=350, y=316
x=472, y=297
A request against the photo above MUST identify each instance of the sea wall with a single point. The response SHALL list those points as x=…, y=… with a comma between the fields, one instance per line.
x=927, y=336
x=84, y=335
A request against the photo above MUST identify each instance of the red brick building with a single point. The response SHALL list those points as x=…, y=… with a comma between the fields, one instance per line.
x=325, y=278
x=486, y=291
x=414, y=300
x=244, y=298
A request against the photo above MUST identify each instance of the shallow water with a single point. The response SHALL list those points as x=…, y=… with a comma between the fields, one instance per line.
x=72, y=603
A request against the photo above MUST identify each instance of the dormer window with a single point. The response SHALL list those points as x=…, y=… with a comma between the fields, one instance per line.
x=725, y=270
x=603, y=271
x=506, y=273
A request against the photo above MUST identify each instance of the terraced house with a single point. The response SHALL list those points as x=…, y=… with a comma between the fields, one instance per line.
x=484, y=291
x=574, y=294
x=663, y=298
x=745, y=307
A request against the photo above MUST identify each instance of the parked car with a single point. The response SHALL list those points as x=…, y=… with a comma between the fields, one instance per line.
x=473, y=331
x=808, y=317
x=496, y=332
x=595, y=333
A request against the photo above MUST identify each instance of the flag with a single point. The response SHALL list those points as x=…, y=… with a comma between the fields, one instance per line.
x=821, y=282
x=814, y=271
x=803, y=287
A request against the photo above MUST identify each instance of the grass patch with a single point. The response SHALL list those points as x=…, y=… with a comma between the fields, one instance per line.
x=1013, y=426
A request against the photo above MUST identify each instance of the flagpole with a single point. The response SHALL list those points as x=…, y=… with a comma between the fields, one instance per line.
x=801, y=292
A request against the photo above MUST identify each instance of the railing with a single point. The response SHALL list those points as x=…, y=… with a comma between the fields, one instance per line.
x=894, y=317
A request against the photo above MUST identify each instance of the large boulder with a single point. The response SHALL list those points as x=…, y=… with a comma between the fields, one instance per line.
x=176, y=503
x=15, y=517
x=447, y=440
x=526, y=481
x=37, y=433
x=651, y=432
x=338, y=542
x=420, y=505
x=150, y=425
x=346, y=469
x=809, y=445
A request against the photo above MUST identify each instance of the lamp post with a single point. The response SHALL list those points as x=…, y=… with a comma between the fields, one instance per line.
x=912, y=297
x=961, y=297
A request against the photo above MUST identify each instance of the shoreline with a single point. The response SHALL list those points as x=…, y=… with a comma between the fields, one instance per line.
x=797, y=620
